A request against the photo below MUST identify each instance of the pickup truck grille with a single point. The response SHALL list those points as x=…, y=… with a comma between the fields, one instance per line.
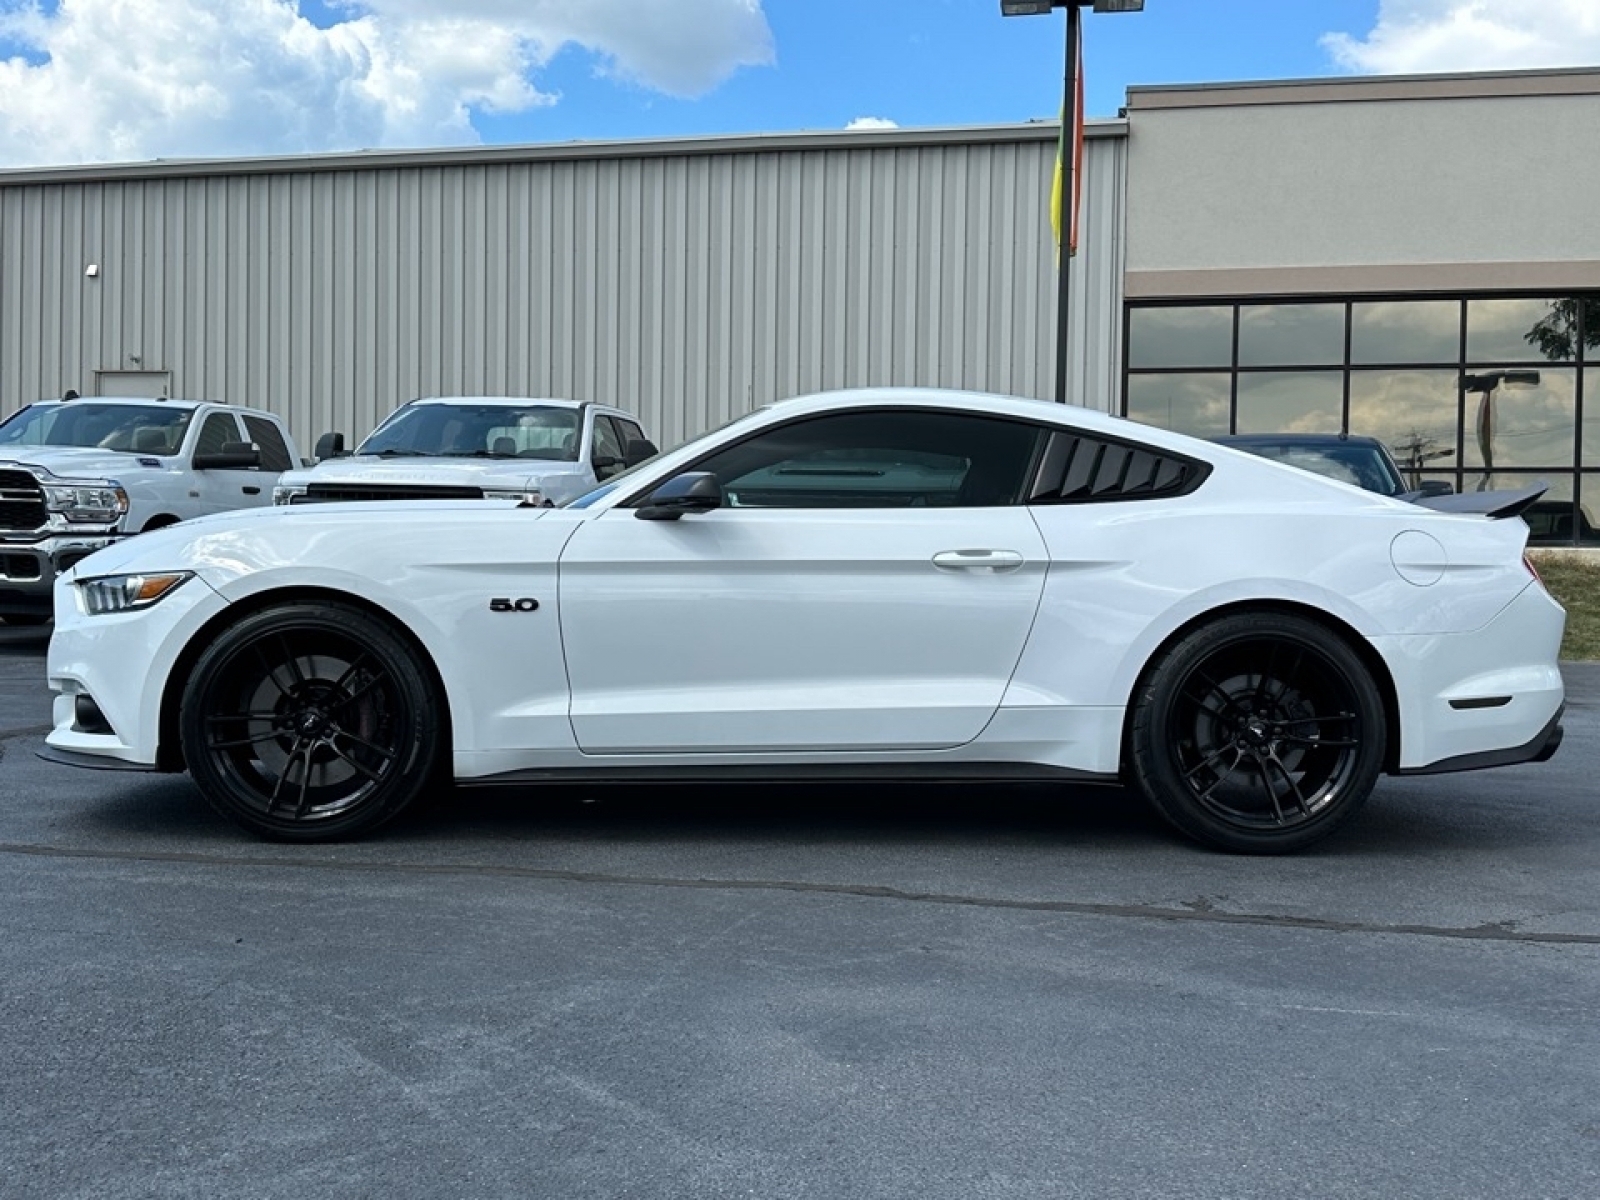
x=22, y=507
x=317, y=493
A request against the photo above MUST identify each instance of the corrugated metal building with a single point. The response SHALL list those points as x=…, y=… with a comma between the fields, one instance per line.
x=688, y=281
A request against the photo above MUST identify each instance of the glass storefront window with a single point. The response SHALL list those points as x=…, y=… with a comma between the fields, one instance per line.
x=1413, y=412
x=1291, y=335
x=1405, y=331
x=1551, y=518
x=1195, y=403
x=1522, y=330
x=1291, y=402
x=1181, y=337
x=1511, y=424
x=1588, y=514
x=1483, y=392
x=1589, y=438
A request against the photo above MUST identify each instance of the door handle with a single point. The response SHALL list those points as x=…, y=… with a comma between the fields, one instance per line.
x=251, y=491
x=993, y=561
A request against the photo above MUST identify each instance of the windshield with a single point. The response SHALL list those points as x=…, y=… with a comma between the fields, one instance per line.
x=478, y=431
x=155, y=429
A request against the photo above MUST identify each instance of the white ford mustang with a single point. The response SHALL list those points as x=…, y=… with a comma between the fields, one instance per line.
x=893, y=582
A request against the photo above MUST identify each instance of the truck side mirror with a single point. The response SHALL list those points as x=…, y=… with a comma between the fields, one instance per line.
x=639, y=449
x=234, y=456
x=330, y=445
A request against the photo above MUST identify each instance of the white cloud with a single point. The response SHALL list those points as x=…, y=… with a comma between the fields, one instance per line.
x=118, y=80
x=872, y=123
x=1419, y=36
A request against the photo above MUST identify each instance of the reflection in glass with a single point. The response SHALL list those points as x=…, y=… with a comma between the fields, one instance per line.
x=1405, y=331
x=1551, y=518
x=1588, y=514
x=1514, y=422
x=1291, y=335
x=1284, y=402
x=1589, y=436
x=1413, y=412
x=1196, y=404
x=1180, y=337
x=1521, y=330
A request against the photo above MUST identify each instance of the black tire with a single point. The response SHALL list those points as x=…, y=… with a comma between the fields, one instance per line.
x=310, y=723
x=1259, y=733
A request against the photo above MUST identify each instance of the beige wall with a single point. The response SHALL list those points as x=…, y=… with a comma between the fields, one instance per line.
x=1354, y=185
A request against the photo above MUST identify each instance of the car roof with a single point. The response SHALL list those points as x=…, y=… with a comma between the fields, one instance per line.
x=502, y=401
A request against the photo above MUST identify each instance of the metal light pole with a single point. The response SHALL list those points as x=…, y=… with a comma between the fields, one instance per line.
x=1068, y=147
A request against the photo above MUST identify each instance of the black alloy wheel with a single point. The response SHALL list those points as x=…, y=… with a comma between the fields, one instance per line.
x=1260, y=733
x=310, y=723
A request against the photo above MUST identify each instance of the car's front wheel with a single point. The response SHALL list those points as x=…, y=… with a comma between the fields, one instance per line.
x=1259, y=733
x=310, y=723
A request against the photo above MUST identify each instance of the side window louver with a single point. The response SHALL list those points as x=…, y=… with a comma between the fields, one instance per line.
x=1079, y=469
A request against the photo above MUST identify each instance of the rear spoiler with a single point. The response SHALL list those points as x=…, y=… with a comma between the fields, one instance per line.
x=1494, y=505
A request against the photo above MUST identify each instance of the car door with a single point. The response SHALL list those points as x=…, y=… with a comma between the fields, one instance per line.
x=225, y=489
x=868, y=585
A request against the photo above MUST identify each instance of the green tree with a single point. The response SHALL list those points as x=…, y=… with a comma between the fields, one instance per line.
x=1557, y=334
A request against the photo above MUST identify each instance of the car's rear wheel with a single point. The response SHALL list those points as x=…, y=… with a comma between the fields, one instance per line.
x=1259, y=733
x=310, y=723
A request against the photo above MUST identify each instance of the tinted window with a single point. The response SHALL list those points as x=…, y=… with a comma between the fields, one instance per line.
x=607, y=453
x=274, y=451
x=217, y=432
x=889, y=459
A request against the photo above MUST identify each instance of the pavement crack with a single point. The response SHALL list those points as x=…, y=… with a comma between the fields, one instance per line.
x=1496, y=932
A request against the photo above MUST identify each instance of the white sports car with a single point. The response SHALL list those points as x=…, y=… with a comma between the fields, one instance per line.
x=890, y=582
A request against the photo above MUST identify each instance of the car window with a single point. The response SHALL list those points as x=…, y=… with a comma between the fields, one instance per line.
x=607, y=445
x=219, y=429
x=274, y=450
x=156, y=429
x=897, y=458
x=478, y=430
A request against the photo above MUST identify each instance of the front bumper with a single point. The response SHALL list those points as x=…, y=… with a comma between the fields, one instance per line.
x=122, y=663
x=29, y=570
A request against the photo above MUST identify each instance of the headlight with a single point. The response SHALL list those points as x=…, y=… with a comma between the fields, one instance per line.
x=286, y=495
x=100, y=503
x=522, y=496
x=126, y=593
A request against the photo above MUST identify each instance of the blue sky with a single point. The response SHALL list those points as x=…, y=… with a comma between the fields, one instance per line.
x=126, y=80
x=950, y=62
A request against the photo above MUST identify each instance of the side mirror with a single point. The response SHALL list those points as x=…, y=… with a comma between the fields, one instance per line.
x=330, y=445
x=234, y=456
x=640, y=449
x=1436, y=487
x=692, y=492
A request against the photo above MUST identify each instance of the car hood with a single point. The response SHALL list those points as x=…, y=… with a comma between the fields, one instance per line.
x=506, y=473
x=79, y=462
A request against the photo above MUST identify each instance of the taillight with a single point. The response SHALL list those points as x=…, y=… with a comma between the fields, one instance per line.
x=1532, y=570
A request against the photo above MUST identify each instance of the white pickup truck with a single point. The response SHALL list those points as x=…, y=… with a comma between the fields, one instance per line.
x=81, y=473
x=537, y=451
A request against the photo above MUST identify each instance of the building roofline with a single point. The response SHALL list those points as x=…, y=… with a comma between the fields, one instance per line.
x=1563, y=81
x=378, y=160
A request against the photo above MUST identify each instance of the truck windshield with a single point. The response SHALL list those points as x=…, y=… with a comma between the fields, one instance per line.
x=139, y=428
x=478, y=431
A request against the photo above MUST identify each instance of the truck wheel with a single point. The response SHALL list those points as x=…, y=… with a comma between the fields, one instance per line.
x=310, y=723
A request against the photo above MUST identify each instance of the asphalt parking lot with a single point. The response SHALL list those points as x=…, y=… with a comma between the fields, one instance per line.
x=796, y=992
